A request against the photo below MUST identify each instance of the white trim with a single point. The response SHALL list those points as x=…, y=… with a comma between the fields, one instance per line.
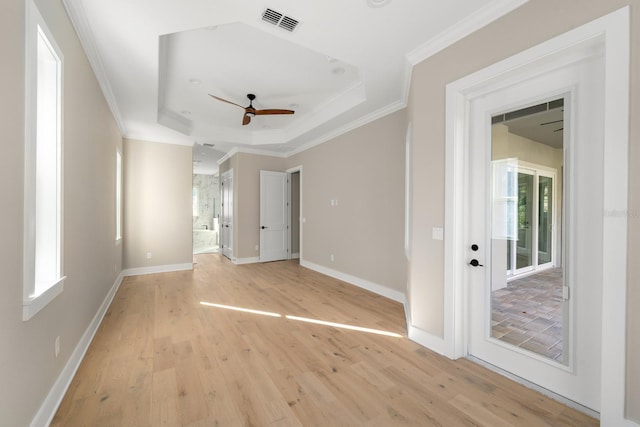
x=451, y=35
x=568, y=402
x=48, y=409
x=375, y=115
x=614, y=27
x=468, y=25
x=33, y=304
x=250, y=260
x=236, y=150
x=290, y=172
x=614, y=244
x=477, y=20
x=119, y=193
x=35, y=298
x=425, y=339
x=357, y=281
x=78, y=18
x=408, y=191
x=158, y=269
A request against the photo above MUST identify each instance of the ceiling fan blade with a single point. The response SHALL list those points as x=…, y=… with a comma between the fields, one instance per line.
x=246, y=119
x=273, y=111
x=224, y=100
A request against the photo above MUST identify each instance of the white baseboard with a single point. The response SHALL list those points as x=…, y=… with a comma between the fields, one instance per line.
x=425, y=339
x=295, y=256
x=246, y=260
x=50, y=405
x=158, y=269
x=357, y=281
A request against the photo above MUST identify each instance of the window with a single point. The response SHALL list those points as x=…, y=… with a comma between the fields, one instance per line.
x=194, y=199
x=118, y=195
x=43, y=276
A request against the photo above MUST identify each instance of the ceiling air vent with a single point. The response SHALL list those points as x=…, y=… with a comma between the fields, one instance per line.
x=279, y=20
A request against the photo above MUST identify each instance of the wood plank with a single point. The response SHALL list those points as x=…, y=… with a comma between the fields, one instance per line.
x=161, y=358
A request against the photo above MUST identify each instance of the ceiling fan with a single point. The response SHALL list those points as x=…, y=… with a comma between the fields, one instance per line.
x=250, y=111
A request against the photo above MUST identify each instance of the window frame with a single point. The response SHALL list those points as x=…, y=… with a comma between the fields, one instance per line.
x=35, y=296
x=118, y=195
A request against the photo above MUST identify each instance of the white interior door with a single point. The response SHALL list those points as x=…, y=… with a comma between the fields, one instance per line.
x=226, y=221
x=273, y=216
x=576, y=375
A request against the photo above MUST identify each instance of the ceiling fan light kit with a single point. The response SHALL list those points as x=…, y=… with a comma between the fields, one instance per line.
x=250, y=111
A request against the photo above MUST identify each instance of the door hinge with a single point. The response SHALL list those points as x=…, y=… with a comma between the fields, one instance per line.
x=565, y=293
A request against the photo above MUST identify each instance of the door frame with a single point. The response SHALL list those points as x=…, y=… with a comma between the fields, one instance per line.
x=612, y=32
x=290, y=172
x=227, y=175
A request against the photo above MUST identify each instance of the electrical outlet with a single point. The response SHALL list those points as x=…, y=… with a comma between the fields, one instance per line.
x=148, y=255
x=57, y=346
x=332, y=258
x=257, y=247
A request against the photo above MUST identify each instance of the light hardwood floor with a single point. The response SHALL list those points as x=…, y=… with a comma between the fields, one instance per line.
x=160, y=357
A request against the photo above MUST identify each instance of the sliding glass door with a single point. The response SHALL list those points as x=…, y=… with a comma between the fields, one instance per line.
x=533, y=246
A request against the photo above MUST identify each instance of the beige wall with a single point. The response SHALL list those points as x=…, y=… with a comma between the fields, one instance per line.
x=157, y=199
x=92, y=260
x=364, y=171
x=505, y=145
x=427, y=113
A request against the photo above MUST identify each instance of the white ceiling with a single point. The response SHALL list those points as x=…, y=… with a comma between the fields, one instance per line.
x=345, y=64
x=543, y=123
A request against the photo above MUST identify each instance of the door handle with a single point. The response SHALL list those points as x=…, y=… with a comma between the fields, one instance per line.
x=474, y=263
x=263, y=227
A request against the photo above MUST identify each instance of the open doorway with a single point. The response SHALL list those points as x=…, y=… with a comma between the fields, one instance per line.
x=294, y=180
x=206, y=199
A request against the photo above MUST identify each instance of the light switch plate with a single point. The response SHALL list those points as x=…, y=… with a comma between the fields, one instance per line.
x=437, y=233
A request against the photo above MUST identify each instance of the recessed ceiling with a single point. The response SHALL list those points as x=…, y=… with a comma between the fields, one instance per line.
x=228, y=61
x=339, y=64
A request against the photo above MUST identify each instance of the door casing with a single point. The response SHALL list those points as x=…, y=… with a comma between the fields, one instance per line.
x=610, y=33
x=226, y=223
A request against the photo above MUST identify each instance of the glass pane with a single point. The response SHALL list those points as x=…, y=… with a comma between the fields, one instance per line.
x=545, y=209
x=526, y=276
x=524, y=257
x=47, y=215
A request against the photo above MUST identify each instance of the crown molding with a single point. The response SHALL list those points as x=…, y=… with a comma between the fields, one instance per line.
x=479, y=19
x=469, y=25
x=79, y=20
x=247, y=150
x=472, y=23
x=375, y=115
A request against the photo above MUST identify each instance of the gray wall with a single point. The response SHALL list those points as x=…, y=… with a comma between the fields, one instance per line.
x=92, y=259
x=507, y=36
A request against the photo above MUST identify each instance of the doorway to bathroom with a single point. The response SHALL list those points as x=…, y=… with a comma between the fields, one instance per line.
x=206, y=198
x=206, y=213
